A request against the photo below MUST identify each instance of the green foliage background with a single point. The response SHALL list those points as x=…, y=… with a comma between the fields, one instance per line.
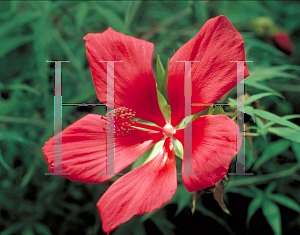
x=32, y=32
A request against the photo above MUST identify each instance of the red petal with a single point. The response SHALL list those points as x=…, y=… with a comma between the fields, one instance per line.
x=213, y=146
x=133, y=78
x=84, y=149
x=283, y=42
x=140, y=191
x=217, y=43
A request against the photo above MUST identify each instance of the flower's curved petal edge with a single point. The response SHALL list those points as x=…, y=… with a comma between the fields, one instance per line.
x=214, y=144
x=134, y=82
x=140, y=191
x=84, y=149
x=217, y=43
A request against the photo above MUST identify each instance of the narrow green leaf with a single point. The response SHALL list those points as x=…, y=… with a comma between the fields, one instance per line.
x=162, y=223
x=239, y=190
x=285, y=201
x=271, y=187
x=81, y=13
x=261, y=86
x=131, y=11
x=29, y=174
x=273, y=150
x=273, y=117
x=250, y=111
x=232, y=101
x=258, y=44
x=296, y=150
x=27, y=231
x=42, y=229
x=272, y=72
x=254, y=206
x=11, y=136
x=9, y=44
x=201, y=11
x=286, y=133
x=17, y=22
x=164, y=90
x=13, y=228
x=160, y=73
x=258, y=96
x=261, y=129
x=111, y=18
x=75, y=62
x=272, y=214
x=182, y=198
x=23, y=87
x=216, y=218
x=5, y=165
x=286, y=117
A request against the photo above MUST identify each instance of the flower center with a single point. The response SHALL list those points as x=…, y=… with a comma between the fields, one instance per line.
x=168, y=130
x=119, y=121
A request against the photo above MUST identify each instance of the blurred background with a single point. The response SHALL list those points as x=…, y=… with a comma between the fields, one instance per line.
x=32, y=32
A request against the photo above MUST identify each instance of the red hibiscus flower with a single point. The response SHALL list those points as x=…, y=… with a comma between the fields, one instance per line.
x=151, y=185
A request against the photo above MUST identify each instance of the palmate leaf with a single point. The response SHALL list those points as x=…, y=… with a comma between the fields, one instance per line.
x=42, y=229
x=285, y=201
x=13, y=228
x=254, y=206
x=272, y=214
x=273, y=150
x=162, y=223
x=182, y=198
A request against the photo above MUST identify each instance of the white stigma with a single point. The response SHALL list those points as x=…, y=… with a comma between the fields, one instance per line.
x=169, y=130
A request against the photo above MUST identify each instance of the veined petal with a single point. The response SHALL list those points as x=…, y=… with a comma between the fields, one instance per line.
x=214, y=144
x=140, y=191
x=84, y=149
x=217, y=43
x=134, y=82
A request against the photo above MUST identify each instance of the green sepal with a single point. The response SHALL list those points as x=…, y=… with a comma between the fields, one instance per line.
x=210, y=110
x=163, y=89
x=219, y=110
x=178, y=148
x=160, y=72
x=164, y=106
x=149, y=154
x=185, y=122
